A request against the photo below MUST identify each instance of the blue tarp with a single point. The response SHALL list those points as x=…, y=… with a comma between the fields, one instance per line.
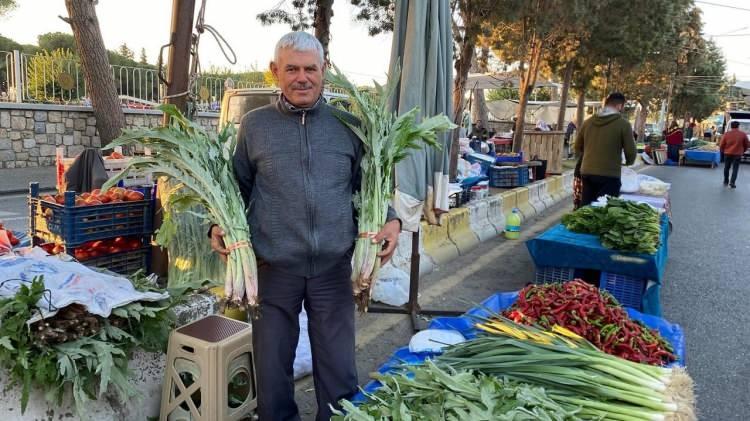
x=559, y=247
x=707, y=156
x=496, y=303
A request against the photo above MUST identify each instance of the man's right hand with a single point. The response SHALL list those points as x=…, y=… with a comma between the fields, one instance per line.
x=217, y=242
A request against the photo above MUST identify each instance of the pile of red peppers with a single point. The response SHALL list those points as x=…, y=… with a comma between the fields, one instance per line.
x=593, y=314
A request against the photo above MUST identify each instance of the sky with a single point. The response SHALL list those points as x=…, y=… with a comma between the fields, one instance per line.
x=145, y=23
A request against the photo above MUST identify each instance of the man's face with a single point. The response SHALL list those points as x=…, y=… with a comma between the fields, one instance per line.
x=299, y=75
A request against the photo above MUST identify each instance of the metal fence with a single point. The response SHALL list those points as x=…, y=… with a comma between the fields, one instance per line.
x=58, y=79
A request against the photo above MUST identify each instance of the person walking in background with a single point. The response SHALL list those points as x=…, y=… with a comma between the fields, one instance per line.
x=675, y=138
x=568, y=135
x=600, y=143
x=734, y=143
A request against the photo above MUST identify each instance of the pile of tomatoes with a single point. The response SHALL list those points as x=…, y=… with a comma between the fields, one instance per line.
x=100, y=248
x=98, y=197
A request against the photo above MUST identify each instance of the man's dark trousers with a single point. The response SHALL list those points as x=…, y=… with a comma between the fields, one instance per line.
x=595, y=186
x=732, y=161
x=330, y=310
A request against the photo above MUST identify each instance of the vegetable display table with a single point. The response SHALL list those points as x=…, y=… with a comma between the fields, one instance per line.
x=698, y=157
x=560, y=247
x=497, y=303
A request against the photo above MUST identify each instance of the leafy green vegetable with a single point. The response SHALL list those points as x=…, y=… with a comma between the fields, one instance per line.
x=430, y=393
x=89, y=365
x=621, y=225
x=200, y=166
x=386, y=139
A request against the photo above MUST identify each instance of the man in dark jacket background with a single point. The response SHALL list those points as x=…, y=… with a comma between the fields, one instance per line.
x=600, y=142
x=298, y=167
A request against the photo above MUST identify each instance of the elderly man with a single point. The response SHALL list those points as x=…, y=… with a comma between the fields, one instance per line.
x=298, y=167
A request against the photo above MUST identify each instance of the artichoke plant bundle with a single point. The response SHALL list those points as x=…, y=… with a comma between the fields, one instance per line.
x=199, y=166
x=386, y=138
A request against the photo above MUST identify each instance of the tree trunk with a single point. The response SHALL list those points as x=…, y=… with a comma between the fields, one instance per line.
x=96, y=70
x=462, y=66
x=581, y=109
x=640, y=119
x=564, y=94
x=479, y=111
x=526, y=86
x=322, y=24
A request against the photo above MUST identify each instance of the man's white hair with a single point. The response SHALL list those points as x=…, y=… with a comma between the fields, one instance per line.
x=299, y=41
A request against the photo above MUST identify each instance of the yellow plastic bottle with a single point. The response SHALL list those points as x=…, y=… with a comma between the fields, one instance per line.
x=513, y=225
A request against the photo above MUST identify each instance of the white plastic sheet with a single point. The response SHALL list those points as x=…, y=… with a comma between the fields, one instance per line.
x=70, y=283
x=434, y=340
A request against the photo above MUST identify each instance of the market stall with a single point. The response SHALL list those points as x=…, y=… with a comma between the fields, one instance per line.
x=443, y=369
x=619, y=243
x=635, y=277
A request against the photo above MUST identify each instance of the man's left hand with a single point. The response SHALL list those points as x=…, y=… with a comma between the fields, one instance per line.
x=389, y=237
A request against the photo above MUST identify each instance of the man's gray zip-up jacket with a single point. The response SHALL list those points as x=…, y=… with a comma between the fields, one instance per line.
x=298, y=170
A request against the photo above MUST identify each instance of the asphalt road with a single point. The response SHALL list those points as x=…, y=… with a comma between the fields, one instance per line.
x=14, y=212
x=706, y=285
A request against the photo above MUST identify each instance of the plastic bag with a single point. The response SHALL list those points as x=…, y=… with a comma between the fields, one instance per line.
x=303, y=355
x=434, y=340
x=392, y=286
x=630, y=182
x=652, y=186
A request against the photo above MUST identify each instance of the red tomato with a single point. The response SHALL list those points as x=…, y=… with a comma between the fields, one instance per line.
x=119, y=241
x=134, y=244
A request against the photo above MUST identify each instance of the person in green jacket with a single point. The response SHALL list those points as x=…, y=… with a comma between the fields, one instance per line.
x=600, y=143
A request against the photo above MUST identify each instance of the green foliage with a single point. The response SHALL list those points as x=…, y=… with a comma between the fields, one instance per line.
x=379, y=15
x=6, y=6
x=52, y=41
x=143, y=60
x=88, y=366
x=51, y=76
x=299, y=18
x=126, y=52
x=501, y=94
x=430, y=393
x=621, y=225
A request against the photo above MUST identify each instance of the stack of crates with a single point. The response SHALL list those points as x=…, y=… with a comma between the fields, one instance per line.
x=509, y=177
x=628, y=291
x=74, y=227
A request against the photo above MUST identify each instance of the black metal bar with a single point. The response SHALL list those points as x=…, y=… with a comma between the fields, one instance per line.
x=412, y=308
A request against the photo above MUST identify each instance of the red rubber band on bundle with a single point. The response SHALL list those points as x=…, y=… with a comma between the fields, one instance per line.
x=237, y=245
x=367, y=234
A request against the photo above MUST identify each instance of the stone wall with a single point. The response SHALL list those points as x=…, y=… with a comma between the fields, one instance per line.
x=30, y=133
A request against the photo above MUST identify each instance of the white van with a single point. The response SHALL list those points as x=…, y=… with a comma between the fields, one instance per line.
x=238, y=102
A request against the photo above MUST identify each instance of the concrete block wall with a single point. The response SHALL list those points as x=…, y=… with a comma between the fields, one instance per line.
x=31, y=133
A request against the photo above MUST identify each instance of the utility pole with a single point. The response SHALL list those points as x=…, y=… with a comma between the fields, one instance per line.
x=669, y=102
x=177, y=83
x=178, y=64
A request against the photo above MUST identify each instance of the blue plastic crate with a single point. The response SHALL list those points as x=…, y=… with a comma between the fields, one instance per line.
x=626, y=289
x=549, y=275
x=125, y=263
x=72, y=225
x=517, y=159
x=509, y=177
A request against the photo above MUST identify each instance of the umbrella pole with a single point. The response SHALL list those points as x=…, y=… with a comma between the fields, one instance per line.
x=412, y=308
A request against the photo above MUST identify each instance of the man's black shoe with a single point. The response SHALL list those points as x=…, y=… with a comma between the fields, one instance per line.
x=733, y=186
